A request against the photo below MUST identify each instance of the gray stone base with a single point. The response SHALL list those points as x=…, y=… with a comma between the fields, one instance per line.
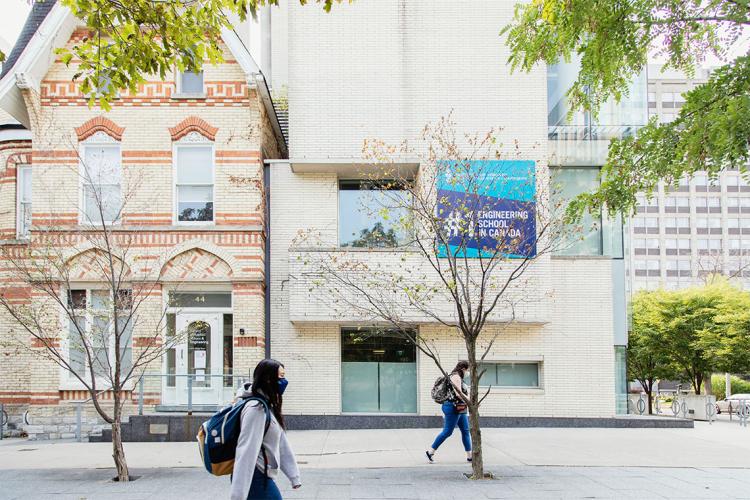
x=184, y=427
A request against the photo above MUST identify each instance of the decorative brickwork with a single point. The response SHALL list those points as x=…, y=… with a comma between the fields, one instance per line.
x=100, y=124
x=193, y=124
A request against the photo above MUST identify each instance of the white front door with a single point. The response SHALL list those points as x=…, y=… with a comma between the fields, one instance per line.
x=199, y=358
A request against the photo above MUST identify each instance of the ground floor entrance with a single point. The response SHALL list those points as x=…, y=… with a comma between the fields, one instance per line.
x=378, y=371
x=199, y=366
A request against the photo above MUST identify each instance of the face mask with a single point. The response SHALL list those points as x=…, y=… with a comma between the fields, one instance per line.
x=282, y=385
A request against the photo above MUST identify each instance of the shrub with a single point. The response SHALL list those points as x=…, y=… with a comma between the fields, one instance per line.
x=739, y=386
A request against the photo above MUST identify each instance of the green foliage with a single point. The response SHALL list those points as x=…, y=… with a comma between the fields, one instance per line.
x=131, y=40
x=688, y=333
x=648, y=359
x=613, y=39
x=739, y=386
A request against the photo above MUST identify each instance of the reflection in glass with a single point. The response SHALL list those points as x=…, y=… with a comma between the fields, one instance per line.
x=372, y=214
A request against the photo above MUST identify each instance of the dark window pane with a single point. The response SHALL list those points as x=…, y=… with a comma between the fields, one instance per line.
x=372, y=344
x=196, y=211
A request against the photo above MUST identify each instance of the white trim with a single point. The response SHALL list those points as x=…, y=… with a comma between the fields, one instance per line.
x=55, y=30
x=15, y=135
x=240, y=52
x=192, y=143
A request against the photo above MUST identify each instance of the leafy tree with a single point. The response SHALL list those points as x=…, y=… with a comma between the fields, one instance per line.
x=133, y=39
x=613, y=39
x=690, y=333
x=648, y=357
x=728, y=344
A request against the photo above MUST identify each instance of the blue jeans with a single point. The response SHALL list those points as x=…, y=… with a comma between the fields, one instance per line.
x=453, y=419
x=262, y=488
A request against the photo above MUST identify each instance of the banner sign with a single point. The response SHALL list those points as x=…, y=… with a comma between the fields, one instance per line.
x=488, y=207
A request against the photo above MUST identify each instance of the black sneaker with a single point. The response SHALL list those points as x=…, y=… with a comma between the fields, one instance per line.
x=429, y=456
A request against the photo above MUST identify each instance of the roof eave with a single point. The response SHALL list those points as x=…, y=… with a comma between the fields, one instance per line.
x=35, y=60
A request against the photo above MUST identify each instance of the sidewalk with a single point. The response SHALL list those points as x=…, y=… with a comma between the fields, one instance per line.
x=710, y=461
x=425, y=483
x=722, y=444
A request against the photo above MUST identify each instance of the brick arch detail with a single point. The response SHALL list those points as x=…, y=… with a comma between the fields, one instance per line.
x=193, y=124
x=100, y=124
x=205, y=246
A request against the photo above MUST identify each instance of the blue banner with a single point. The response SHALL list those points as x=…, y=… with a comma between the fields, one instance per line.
x=488, y=207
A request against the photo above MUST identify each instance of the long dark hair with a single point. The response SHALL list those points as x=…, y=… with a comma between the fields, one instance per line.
x=266, y=386
x=461, y=368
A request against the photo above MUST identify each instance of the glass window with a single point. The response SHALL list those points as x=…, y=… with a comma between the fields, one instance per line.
x=671, y=244
x=378, y=371
x=191, y=83
x=652, y=243
x=100, y=179
x=24, y=201
x=584, y=238
x=195, y=184
x=94, y=332
x=700, y=179
x=373, y=214
x=522, y=374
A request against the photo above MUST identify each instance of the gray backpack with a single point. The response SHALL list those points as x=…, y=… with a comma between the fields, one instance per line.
x=441, y=390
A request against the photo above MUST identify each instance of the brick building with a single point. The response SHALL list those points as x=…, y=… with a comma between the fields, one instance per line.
x=185, y=163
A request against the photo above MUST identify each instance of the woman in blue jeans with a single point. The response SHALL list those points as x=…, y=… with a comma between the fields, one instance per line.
x=454, y=410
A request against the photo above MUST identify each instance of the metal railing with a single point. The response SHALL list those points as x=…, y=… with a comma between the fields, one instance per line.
x=237, y=381
x=742, y=410
x=3, y=420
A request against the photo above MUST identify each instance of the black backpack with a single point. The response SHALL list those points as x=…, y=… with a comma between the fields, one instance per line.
x=442, y=389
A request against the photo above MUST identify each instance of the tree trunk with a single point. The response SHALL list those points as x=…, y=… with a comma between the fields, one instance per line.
x=649, y=394
x=697, y=383
x=477, y=462
x=709, y=389
x=118, y=453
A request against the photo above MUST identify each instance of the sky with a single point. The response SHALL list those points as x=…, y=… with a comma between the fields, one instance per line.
x=13, y=16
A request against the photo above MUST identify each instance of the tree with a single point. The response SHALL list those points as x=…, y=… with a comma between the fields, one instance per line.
x=648, y=356
x=728, y=344
x=133, y=39
x=464, y=265
x=690, y=333
x=106, y=336
x=613, y=39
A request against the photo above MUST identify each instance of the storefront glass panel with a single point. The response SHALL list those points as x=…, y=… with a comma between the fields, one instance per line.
x=378, y=372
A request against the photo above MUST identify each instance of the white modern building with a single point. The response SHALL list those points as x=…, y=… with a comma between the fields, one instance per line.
x=700, y=227
x=383, y=70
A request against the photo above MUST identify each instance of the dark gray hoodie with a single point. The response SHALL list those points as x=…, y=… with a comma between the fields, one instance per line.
x=249, y=456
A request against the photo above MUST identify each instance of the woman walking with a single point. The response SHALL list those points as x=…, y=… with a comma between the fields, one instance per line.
x=263, y=448
x=454, y=410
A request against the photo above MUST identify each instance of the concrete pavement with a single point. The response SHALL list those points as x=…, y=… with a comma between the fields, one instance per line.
x=710, y=461
x=722, y=444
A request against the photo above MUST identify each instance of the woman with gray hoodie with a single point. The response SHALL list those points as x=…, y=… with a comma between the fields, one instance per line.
x=260, y=452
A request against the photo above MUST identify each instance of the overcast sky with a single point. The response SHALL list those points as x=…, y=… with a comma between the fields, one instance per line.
x=11, y=21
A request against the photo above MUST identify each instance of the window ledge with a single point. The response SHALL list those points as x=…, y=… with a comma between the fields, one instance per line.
x=141, y=229
x=354, y=249
x=194, y=95
x=535, y=391
x=582, y=257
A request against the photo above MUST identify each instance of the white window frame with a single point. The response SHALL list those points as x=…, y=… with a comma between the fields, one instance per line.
x=193, y=140
x=20, y=233
x=100, y=139
x=67, y=379
x=180, y=92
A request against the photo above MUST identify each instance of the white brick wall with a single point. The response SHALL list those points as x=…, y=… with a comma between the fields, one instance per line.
x=384, y=69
